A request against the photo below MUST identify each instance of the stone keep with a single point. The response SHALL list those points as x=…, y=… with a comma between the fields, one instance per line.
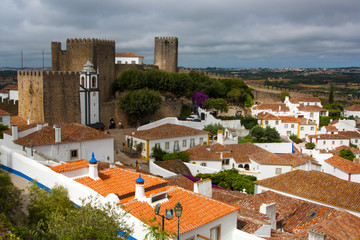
x=166, y=53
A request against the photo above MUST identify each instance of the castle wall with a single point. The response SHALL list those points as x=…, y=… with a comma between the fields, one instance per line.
x=166, y=53
x=101, y=53
x=61, y=97
x=30, y=87
x=10, y=106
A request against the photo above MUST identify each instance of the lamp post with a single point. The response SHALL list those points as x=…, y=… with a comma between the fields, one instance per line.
x=169, y=214
x=178, y=211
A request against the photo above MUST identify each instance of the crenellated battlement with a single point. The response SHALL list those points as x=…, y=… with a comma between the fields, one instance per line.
x=88, y=40
x=166, y=38
x=46, y=73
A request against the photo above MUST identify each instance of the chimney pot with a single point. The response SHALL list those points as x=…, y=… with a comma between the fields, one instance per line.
x=57, y=134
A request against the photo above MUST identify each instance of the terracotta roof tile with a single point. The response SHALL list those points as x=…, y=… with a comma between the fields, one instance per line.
x=336, y=151
x=257, y=154
x=72, y=132
x=317, y=186
x=3, y=113
x=9, y=87
x=129, y=54
x=331, y=128
x=198, y=210
x=289, y=119
x=218, y=148
x=350, y=134
x=275, y=107
x=310, y=108
x=305, y=99
x=166, y=131
x=120, y=182
x=70, y=166
x=329, y=136
x=267, y=116
x=355, y=107
x=294, y=159
x=344, y=164
x=175, y=166
x=201, y=153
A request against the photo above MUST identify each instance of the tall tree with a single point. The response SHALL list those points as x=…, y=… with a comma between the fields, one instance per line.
x=331, y=94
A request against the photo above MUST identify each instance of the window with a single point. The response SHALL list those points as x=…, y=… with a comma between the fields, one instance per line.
x=215, y=233
x=356, y=141
x=1, y=119
x=277, y=170
x=119, y=62
x=192, y=142
x=184, y=143
x=312, y=128
x=288, y=133
x=277, y=122
x=324, y=142
x=292, y=125
x=240, y=166
x=157, y=145
x=311, y=115
x=201, y=140
x=203, y=164
x=341, y=142
x=302, y=128
x=73, y=154
x=226, y=161
x=167, y=145
x=246, y=166
x=333, y=142
x=266, y=122
x=132, y=62
x=176, y=146
x=286, y=125
x=93, y=84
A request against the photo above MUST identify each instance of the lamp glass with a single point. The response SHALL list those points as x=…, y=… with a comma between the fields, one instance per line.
x=178, y=210
x=157, y=208
x=169, y=214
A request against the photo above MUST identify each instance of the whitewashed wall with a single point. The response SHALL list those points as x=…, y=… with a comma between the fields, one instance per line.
x=159, y=171
x=277, y=148
x=195, y=169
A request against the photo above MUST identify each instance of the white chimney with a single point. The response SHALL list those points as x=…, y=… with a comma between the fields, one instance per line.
x=14, y=131
x=139, y=188
x=203, y=187
x=270, y=210
x=28, y=121
x=39, y=126
x=93, y=168
x=315, y=235
x=57, y=134
x=220, y=139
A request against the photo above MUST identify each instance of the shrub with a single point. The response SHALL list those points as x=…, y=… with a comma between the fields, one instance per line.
x=310, y=145
x=295, y=139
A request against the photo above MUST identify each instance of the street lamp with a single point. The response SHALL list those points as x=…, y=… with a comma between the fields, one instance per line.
x=178, y=211
x=169, y=214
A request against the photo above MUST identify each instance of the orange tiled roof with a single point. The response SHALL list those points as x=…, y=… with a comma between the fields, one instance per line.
x=350, y=134
x=120, y=182
x=21, y=123
x=294, y=159
x=257, y=154
x=317, y=186
x=70, y=132
x=9, y=87
x=201, y=153
x=198, y=209
x=304, y=121
x=333, y=122
x=218, y=148
x=167, y=131
x=305, y=99
x=310, y=108
x=344, y=164
x=129, y=54
x=70, y=166
x=331, y=129
x=289, y=119
x=328, y=136
x=337, y=150
x=275, y=107
x=355, y=107
x=267, y=116
x=2, y=112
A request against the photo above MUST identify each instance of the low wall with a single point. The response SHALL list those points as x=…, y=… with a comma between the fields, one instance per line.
x=277, y=148
x=194, y=169
x=159, y=171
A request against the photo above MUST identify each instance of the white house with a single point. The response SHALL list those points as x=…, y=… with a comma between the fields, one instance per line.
x=67, y=142
x=344, y=124
x=306, y=128
x=277, y=109
x=312, y=112
x=169, y=137
x=342, y=168
x=328, y=141
x=353, y=110
x=10, y=92
x=354, y=137
x=4, y=118
x=128, y=58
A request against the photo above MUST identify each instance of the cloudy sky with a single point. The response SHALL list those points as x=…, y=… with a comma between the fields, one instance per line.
x=212, y=33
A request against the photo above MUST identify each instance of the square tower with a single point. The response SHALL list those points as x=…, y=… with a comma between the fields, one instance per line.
x=166, y=53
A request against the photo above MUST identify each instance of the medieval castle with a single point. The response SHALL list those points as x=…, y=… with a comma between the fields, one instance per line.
x=54, y=96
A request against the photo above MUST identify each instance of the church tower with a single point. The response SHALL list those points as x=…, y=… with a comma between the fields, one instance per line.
x=89, y=95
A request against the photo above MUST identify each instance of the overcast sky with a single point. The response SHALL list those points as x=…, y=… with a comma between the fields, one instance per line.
x=226, y=33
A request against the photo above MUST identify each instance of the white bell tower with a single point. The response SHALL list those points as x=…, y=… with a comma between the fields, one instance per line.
x=89, y=95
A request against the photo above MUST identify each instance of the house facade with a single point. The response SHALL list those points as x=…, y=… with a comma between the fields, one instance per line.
x=128, y=58
x=328, y=141
x=353, y=110
x=342, y=168
x=4, y=118
x=169, y=137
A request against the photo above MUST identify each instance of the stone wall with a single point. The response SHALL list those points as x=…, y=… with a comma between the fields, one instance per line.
x=51, y=97
x=166, y=53
x=10, y=106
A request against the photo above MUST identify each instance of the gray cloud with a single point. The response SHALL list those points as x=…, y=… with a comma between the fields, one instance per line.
x=230, y=33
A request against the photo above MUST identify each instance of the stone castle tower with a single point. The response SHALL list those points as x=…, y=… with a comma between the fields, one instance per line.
x=166, y=53
x=100, y=52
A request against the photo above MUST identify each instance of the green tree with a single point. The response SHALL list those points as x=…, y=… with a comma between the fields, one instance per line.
x=10, y=198
x=271, y=134
x=217, y=104
x=216, y=89
x=183, y=156
x=283, y=94
x=331, y=94
x=140, y=103
x=158, y=154
x=310, y=145
x=2, y=129
x=257, y=132
x=347, y=154
x=213, y=128
x=249, y=122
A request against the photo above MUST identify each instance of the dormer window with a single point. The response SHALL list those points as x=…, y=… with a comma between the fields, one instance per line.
x=93, y=82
